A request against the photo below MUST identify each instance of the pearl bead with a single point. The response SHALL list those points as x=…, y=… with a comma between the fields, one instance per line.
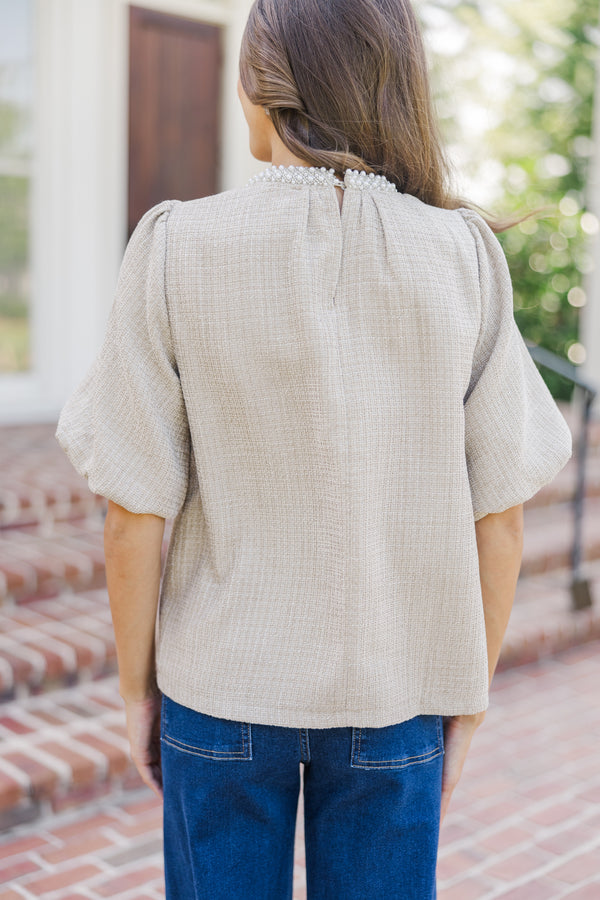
x=353, y=178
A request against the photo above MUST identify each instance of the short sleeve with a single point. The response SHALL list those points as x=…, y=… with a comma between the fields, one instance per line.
x=125, y=427
x=516, y=439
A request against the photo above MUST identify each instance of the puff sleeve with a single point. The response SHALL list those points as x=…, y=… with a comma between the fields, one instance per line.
x=125, y=427
x=516, y=439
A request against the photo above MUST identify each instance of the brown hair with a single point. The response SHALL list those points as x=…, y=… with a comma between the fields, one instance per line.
x=346, y=84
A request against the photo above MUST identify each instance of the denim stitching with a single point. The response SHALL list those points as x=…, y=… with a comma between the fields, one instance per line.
x=406, y=760
x=247, y=739
x=304, y=745
x=378, y=764
x=207, y=754
x=354, y=730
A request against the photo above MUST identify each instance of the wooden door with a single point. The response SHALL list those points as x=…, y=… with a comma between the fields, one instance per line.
x=174, y=109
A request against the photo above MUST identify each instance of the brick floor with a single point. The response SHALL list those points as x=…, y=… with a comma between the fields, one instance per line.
x=542, y=623
x=53, y=642
x=37, y=481
x=524, y=822
x=60, y=749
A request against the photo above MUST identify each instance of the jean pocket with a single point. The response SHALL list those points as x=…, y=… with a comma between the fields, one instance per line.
x=199, y=734
x=410, y=743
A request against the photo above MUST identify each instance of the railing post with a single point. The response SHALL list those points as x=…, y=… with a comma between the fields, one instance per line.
x=581, y=595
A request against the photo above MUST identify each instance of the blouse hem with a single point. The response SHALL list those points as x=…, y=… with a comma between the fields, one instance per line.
x=287, y=717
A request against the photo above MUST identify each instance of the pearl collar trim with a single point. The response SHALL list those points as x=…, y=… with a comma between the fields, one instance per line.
x=353, y=178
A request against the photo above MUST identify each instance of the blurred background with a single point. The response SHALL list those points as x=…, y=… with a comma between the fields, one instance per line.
x=108, y=107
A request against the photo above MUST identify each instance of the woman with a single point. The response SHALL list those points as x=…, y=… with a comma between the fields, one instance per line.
x=319, y=377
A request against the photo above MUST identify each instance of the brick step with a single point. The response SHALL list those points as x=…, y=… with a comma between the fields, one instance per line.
x=39, y=485
x=562, y=489
x=67, y=747
x=37, y=562
x=42, y=561
x=112, y=848
x=542, y=623
x=549, y=536
x=62, y=750
x=523, y=822
x=26, y=504
x=37, y=482
x=48, y=644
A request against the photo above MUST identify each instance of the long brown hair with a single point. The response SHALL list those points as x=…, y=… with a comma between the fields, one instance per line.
x=346, y=84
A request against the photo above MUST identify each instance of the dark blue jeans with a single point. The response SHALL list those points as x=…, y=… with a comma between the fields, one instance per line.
x=371, y=808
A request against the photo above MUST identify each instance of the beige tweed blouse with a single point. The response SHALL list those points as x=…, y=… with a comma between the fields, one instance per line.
x=325, y=402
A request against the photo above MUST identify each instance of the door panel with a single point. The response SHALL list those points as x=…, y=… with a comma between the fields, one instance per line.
x=174, y=109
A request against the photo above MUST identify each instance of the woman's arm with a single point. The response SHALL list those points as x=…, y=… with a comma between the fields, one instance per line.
x=500, y=549
x=132, y=546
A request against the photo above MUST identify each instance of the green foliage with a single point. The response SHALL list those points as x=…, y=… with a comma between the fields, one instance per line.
x=14, y=222
x=528, y=67
x=14, y=345
x=14, y=247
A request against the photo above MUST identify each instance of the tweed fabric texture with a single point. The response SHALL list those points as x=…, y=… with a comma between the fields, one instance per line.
x=325, y=402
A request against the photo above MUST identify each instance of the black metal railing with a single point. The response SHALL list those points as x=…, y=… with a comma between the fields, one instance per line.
x=581, y=594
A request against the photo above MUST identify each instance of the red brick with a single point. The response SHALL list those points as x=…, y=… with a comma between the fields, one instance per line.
x=568, y=839
x=458, y=862
x=589, y=892
x=55, y=666
x=22, y=845
x=522, y=863
x=580, y=868
x=111, y=703
x=18, y=576
x=122, y=883
x=23, y=671
x=118, y=761
x=64, y=878
x=456, y=831
x=505, y=839
x=83, y=769
x=43, y=780
x=469, y=889
x=494, y=813
x=10, y=792
x=85, y=843
x=79, y=705
x=533, y=890
x=84, y=655
x=15, y=725
x=552, y=815
x=74, y=897
x=46, y=716
x=85, y=823
x=13, y=869
x=80, y=795
x=142, y=806
x=144, y=824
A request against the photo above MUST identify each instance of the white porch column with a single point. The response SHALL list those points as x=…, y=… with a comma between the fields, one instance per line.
x=590, y=322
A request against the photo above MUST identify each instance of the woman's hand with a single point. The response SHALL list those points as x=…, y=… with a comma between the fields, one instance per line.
x=143, y=730
x=458, y=733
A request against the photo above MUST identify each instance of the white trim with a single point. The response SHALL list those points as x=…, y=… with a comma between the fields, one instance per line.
x=590, y=318
x=215, y=13
x=238, y=165
x=79, y=181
